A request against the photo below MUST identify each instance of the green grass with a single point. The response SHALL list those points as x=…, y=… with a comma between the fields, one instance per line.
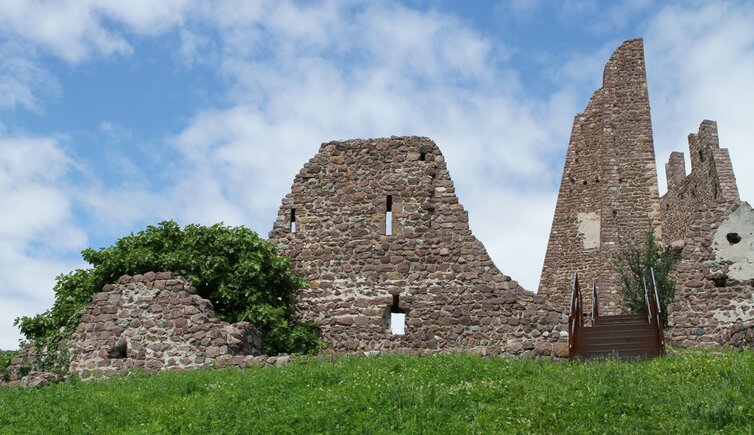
x=692, y=393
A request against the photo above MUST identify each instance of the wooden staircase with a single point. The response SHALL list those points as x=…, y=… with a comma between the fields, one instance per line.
x=624, y=337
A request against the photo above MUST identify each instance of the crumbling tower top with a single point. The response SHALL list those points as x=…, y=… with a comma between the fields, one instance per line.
x=711, y=180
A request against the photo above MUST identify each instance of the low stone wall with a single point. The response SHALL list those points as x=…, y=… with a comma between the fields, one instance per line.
x=446, y=318
x=156, y=321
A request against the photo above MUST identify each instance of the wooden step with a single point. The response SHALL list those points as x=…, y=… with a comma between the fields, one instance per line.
x=619, y=317
x=623, y=347
x=624, y=355
x=615, y=341
x=642, y=332
x=622, y=322
x=616, y=328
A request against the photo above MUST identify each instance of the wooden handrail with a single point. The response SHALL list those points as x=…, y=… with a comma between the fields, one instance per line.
x=658, y=316
x=575, y=316
x=595, y=305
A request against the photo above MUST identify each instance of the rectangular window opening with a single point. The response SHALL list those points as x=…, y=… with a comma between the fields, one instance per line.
x=397, y=318
x=389, y=216
x=293, y=220
x=422, y=155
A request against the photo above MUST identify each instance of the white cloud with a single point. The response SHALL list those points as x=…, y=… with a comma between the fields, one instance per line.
x=76, y=29
x=22, y=79
x=37, y=227
x=701, y=66
x=424, y=74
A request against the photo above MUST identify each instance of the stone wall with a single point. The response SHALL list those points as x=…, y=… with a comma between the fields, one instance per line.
x=714, y=301
x=608, y=194
x=156, y=321
x=711, y=178
x=428, y=266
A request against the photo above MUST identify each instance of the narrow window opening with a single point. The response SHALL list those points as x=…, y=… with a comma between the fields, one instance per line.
x=389, y=216
x=733, y=238
x=293, y=220
x=397, y=317
x=120, y=349
x=422, y=155
x=615, y=212
x=701, y=155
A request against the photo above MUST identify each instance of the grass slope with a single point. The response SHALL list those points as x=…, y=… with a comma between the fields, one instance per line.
x=693, y=393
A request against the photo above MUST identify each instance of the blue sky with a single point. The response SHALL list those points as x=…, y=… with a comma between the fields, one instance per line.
x=115, y=115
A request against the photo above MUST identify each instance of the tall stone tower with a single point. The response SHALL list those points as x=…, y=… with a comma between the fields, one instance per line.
x=608, y=194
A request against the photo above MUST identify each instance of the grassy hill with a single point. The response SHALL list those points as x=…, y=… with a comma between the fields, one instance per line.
x=693, y=393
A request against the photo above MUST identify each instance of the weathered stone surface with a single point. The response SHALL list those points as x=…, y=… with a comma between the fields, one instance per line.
x=608, y=194
x=158, y=322
x=710, y=308
x=560, y=350
x=608, y=197
x=711, y=179
x=40, y=379
x=430, y=268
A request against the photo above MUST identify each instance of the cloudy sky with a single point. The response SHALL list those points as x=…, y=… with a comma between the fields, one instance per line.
x=115, y=115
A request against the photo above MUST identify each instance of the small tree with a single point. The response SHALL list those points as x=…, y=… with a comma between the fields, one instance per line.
x=231, y=266
x=635, y=264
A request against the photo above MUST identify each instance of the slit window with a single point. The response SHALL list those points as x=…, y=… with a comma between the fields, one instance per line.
x=422, y=155
x=397, y=317
x=293, y=220
x=389, y=216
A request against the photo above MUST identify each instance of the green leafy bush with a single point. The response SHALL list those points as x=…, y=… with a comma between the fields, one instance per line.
x=634, y=265
x=231, y=266
x=5, y=358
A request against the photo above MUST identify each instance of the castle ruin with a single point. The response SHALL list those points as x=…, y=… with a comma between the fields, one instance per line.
x=377, y=228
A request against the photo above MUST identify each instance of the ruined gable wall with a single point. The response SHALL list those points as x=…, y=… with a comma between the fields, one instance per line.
x=453, y=295
x=608, y=193
x=714, y=276
x=711, y=179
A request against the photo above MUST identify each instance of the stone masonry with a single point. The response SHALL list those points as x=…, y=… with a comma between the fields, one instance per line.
x=711, y=179
x=608, y=194
x=377, y=228
x=714, y=300
x=155, y=322
x=713, y=233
